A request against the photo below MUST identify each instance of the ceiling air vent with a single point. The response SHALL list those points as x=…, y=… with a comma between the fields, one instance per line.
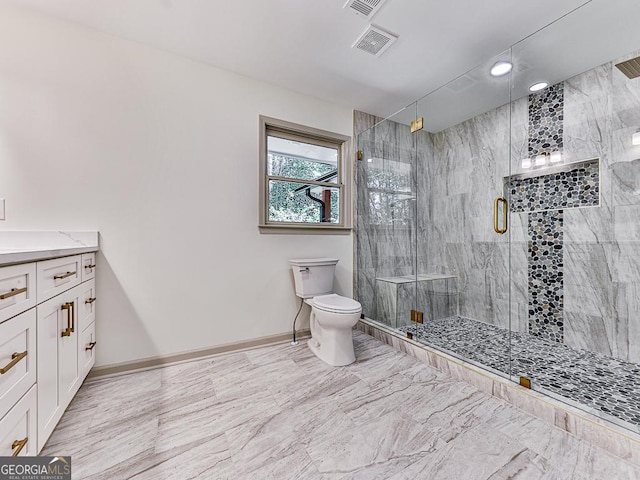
x=375, y=41
x=365, y=8
x=631, y=68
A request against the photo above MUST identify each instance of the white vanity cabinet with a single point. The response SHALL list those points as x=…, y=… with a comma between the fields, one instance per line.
x=47, y=345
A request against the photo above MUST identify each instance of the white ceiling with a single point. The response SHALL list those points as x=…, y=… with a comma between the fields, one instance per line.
x=305, y=45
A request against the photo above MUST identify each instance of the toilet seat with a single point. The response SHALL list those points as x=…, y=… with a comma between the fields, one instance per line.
x=336, y=304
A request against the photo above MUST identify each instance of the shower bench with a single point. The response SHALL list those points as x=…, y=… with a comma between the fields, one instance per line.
x=435, y=294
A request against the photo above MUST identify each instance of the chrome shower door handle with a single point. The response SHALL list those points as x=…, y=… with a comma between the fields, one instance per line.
x=496, y=215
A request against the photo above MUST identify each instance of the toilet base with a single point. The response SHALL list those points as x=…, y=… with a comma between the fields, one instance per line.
x=336, y=348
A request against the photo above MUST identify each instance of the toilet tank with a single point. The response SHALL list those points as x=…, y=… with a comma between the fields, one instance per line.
x=313, y=276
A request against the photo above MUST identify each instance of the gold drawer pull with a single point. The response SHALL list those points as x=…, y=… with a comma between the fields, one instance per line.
x=15, y=358
x=64, y=275
x=71, y=321
x=90, y=266
x=19, y=444
x=12, y=293
x=89, y=301
x=91, y=346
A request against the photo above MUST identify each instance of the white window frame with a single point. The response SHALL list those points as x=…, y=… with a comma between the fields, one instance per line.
x=344, y=180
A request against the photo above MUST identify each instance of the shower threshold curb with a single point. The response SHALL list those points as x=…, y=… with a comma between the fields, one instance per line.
x=590, y=428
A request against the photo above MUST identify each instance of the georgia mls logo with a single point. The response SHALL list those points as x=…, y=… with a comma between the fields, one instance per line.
x=35, y=468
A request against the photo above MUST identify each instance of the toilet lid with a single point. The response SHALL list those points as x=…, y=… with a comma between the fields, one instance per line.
x=336, y=304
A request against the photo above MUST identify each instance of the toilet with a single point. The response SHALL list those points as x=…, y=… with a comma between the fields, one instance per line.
x=332, y=316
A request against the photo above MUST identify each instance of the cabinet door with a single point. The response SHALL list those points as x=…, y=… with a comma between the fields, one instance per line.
x=87, y=308
x=58, y=369
x=18, y=430
x=87, y=350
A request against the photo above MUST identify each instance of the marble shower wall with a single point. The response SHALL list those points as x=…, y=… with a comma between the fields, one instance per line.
x=602, y=245
x=460, y=175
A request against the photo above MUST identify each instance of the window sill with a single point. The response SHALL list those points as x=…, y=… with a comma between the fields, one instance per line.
x=304, y=229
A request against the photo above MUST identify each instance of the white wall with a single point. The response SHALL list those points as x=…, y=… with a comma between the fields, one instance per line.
x=158, y=153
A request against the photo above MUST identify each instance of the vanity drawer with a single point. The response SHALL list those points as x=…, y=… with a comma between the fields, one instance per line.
x=88, y=266
x=57, y=275
x=87, y=307
x=17, y=289
x=18, y=428
x=87, y=350
x=17, y=358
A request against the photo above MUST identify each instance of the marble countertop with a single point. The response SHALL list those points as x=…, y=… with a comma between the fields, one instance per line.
x=29, y=246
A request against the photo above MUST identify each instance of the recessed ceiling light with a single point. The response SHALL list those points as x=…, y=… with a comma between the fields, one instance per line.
x=536, y=87
x=501, y=68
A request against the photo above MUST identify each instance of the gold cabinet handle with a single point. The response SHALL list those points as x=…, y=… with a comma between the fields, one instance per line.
x=19, y=444
x=90, y=266
x=12, y=293
x=67, y=331
x=496, y=215
x=64, y=275
x=15, y=358
x=70, y=308
x=89, y=301
x=91, y=346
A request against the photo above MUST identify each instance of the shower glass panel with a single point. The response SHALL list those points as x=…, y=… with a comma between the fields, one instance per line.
x=574, y=200
x=386, y=219
x=463, y=262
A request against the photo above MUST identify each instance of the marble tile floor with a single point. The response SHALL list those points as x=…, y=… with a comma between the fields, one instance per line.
x=278, y=412
x=603, y=385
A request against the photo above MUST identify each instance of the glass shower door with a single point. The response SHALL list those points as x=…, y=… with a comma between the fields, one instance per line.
x=463, y=274
x=386, y=219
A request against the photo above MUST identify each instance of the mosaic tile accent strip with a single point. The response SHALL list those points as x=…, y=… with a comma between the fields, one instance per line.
x=545, y=195
x=545, y=273
x=586, y=379
x=546, y=116
x=576, y=187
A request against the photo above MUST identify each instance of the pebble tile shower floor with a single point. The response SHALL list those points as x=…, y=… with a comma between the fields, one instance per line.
x=278, y=412
x=604, y=384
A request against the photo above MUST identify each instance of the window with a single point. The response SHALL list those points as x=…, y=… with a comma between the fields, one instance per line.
x=304, y=180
